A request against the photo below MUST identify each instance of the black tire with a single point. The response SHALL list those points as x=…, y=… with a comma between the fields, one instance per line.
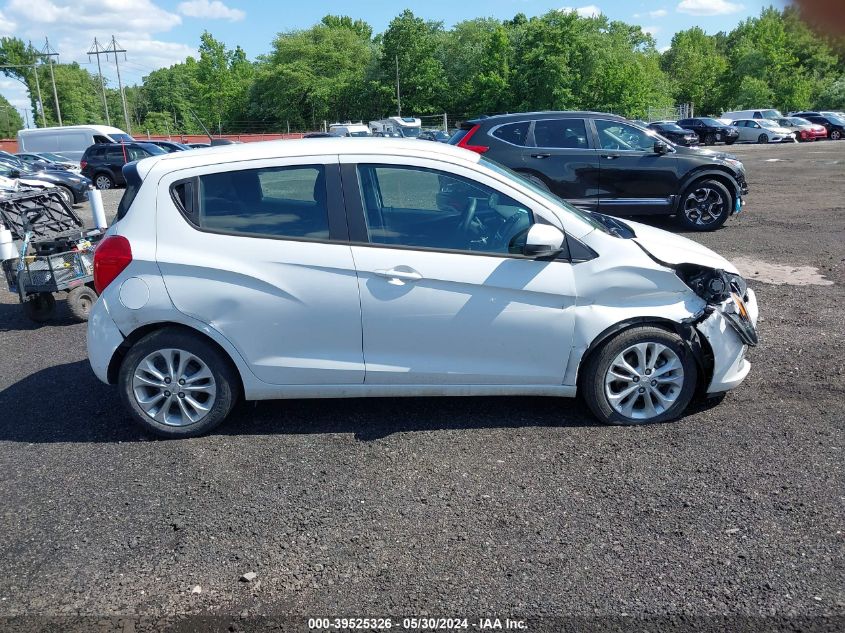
x=835, y=135
x=225, y=388
x=40, y=307
x=689, y=220
x=709, y=139
x=66, y=194
x=80, y=300
x=102, y=180
x=592, y=382
x=763, y=139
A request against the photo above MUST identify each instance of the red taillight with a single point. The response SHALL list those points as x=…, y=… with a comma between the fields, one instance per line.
x=83, y=164
x=464, y=142
x=111, y=257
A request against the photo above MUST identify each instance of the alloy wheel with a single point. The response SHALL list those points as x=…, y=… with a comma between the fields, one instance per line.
x=174, y=387
x=704, y=206
x=103, y=182
x=644, y=381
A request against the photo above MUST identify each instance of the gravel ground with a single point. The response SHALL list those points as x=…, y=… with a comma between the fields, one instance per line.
x=509, y=507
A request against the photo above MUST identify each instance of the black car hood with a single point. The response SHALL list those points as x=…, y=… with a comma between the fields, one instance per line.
x=700, y=151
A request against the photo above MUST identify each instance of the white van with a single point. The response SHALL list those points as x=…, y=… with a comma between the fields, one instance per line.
x=349, y=129
x=752, y=114
x=70, y=141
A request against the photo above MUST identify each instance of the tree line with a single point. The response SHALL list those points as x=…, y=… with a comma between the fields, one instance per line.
x=340, y=70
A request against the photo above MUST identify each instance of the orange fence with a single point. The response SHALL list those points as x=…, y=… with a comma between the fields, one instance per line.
x=11, y=144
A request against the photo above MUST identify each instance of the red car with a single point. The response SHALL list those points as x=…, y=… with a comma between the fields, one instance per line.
x=804, y=129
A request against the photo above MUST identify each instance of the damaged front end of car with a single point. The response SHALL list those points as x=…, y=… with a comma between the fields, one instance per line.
x=728, y=321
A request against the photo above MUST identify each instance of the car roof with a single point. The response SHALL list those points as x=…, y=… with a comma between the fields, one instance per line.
x=294, y=148
x=563, y=114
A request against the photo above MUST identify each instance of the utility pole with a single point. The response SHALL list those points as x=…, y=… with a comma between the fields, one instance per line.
x=398, y=96
x=113, y=48
x=97, y=50
x=38, y=90
x=49, y=53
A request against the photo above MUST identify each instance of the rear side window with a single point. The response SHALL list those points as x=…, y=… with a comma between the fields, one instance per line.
x=561, y=133
x=513, y=133
x=268, y=202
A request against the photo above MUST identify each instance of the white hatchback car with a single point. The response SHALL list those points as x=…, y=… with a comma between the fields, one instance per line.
x=763, y=131
x=332, y=268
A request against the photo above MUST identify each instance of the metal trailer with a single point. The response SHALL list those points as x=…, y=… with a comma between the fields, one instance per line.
x=55, y=253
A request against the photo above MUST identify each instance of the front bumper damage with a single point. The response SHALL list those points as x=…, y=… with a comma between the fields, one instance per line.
x=730, y=329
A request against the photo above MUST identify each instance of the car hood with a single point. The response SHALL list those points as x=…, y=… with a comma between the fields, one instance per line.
x=673, y=250
x=700, y=151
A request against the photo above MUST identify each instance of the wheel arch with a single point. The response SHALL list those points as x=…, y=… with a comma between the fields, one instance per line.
x=720, y=176
x=139, y=333
x=697, y=345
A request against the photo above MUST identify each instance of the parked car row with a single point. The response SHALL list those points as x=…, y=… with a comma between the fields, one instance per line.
x=72, y=186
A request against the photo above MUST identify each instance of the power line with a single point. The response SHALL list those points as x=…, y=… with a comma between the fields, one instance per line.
x=49, y=53
x=97, y=50
x=113, y=48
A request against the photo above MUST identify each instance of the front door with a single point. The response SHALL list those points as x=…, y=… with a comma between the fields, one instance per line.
x=564, y=160
x=258, y=251
x=446, y=295
x=634, y=178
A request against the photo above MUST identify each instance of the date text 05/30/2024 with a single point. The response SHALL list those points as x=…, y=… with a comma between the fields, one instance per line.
x=417, y=624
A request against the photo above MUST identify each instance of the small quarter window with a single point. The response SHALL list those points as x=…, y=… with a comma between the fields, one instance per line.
x=514, y=133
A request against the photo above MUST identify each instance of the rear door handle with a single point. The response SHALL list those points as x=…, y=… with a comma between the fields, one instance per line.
x=541, y=155
x=398, y=277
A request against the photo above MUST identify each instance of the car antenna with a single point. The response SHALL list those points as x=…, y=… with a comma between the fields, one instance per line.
x=204, y=129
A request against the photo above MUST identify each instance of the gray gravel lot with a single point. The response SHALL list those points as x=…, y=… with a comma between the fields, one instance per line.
x=478, y=506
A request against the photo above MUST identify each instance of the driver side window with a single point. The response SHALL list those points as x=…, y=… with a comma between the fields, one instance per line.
x=426, y=208
x=620, y=136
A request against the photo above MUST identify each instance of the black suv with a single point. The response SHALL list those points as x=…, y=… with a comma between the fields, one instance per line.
x=103, y=163
x=675, y=133
x=711, y=131
x=602, y=162
x=834, y=125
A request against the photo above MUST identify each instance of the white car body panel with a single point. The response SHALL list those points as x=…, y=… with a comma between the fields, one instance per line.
x=322, y=319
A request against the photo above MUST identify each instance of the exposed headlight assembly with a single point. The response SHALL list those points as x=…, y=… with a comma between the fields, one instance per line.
x=723, y=291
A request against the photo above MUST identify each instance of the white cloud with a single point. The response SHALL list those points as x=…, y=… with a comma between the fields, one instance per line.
x=589, y=11
x=663, y=49
x=708, y=7
x=214, y=10
x=651, y=30
x=119, y=15
x=659, y=13
x=7, y=26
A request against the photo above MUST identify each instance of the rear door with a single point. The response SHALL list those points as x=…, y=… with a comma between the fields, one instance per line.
x=634, y=178
x=561, y=154
x=258, y=250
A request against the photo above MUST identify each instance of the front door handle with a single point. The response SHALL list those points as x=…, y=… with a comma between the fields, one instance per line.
x=610, y=156
x=541, y=155
x=398, y=277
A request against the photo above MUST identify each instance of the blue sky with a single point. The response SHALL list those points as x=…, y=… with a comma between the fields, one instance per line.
x=159, y=33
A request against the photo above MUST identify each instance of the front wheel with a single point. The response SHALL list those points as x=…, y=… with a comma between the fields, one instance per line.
x=709, y=139
x=176, y=384
x=835, y=135
x=103, y=181
x=762, y=139
x=705, y=206
x=66, y=195
x=642, y=375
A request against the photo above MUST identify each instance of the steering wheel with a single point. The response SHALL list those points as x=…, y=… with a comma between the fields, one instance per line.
x=469, y=215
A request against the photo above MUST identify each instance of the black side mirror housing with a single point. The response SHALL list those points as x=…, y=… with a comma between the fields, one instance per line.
x=660, y=147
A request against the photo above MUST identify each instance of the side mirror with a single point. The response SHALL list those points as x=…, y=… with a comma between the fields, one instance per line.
x=543, y=241
x=660, y=147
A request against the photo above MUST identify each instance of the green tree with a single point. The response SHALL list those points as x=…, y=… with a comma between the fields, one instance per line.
x=10, y=119
x=696, y=67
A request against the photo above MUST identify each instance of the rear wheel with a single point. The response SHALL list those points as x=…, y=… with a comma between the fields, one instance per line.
x=835, y=135
x=80, y=300
x=176, y=384
x=705, y=206
x=762, y=139
x=66, y=194
x=40, y=307
x=103, y=181
x=642, y=375
x=709, y=139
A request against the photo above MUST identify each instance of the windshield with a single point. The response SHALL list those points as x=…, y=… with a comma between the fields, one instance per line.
x=767, y=123
x=547, y=195
x=410, y=132
x=122, y=138
x=771, y=114
x=712, y=122
x=796, y=120
x=669, y=127
x=836, y=120
x=53, y=157
x=151, y=149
